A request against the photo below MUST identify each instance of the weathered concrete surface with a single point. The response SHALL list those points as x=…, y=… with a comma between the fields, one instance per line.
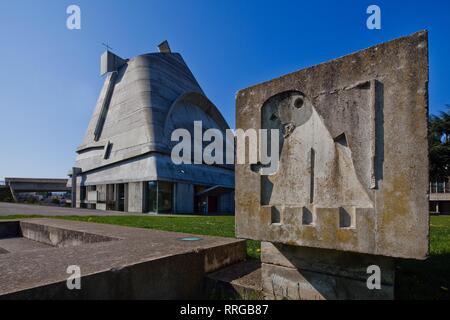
x=20, y=245
x=320, y=274
x=59, y=237
x=333, y=262
x=128, y=138
x=353, y=173
x=109, y=62
x=241, y=281
x=138, y=264
x=289, y=283
x=135, y=197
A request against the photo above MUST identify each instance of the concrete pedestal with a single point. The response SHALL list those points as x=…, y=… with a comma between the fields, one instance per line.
x=302, y=273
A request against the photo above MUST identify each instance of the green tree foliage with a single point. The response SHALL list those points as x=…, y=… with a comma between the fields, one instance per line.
x=439, y=137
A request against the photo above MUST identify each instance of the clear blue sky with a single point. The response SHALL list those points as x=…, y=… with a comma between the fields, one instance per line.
x=50, y=81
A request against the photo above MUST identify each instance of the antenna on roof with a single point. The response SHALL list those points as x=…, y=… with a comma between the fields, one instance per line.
x=108, y=48
x=164, y=47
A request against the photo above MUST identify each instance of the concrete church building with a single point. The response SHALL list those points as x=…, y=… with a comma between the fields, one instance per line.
x=124, y=162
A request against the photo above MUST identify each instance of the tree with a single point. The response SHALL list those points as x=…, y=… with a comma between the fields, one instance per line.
x=439, y=139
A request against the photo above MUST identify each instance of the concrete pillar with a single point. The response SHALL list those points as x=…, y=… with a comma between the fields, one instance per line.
x=13, y=194
x=75, y=173
x=126, y=197
x=101, y=197
x=136, y=197
x=78, y=201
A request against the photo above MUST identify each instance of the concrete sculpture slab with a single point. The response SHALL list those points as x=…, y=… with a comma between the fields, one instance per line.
x=353, y=170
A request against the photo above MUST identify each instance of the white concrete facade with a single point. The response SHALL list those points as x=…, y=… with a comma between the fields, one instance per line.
x=124, y=160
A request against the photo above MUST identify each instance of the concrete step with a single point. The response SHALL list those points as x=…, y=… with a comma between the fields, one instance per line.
x=240, y=281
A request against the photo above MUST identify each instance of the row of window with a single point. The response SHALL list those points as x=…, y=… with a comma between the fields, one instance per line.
x=158, y=197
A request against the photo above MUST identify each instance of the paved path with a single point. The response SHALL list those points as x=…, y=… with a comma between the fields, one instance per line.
x=8, y=209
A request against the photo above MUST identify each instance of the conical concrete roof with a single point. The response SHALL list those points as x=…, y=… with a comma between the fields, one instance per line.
x=142, y=99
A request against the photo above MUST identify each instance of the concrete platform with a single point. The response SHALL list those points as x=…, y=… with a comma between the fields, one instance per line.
x=115, y=262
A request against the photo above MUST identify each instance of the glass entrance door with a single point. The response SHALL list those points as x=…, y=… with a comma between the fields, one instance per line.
x=165, y=197
x=121, y=196
x=159, y=196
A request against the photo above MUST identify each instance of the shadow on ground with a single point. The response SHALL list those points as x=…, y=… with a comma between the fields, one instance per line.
x=424, y=280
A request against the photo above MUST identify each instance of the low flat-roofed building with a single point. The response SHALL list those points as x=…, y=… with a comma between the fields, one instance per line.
x=440, y=197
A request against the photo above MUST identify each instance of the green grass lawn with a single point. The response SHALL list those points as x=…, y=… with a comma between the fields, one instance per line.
x=428, y=279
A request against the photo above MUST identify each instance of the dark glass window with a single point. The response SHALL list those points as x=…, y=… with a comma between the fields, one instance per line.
x=110, y=197
x=165, y=197
x=152, y=191
x=82, y=193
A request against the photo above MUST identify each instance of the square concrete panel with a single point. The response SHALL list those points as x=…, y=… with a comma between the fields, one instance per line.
x=353, y=171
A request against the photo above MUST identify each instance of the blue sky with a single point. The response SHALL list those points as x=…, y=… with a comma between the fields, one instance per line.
x=50, y=81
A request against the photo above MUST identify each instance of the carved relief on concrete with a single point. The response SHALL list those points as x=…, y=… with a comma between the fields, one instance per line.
x=316, y=166
x=353, y=163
